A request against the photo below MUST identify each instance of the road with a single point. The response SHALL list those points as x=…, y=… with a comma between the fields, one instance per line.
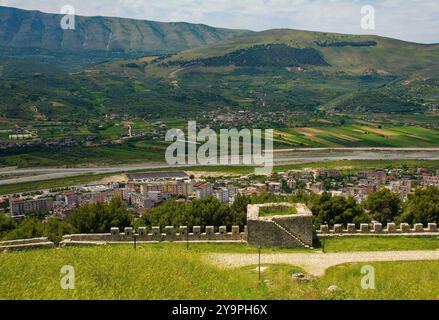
x=284, y=156
x=316, y=264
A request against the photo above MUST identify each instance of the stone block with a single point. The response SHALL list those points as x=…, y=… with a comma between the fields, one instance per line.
x=419, y=228
x=432, y=227
x=170, y=233
x=210, y=232
x=378, y=227
x=156, y=234
x=115, y=232
x=223, y=230
x=183, y=232
x=129, y=232
x=364, y=228
x=235, y=233
x=197, y=232
x=405, y=228
x=391, y=228
x=143, y=232
x=338, y=229
x=352, y=228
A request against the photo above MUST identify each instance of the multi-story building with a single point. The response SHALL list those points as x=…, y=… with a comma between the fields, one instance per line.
x=71, y=198
x=203, y=190
x=222, y=195
x=430, y=181
x=141, y=202
x=24, y=207
x=155, y=196
x=175, y=188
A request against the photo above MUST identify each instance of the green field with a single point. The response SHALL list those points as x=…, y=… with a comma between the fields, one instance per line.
x=359, y=136
x=168, y=271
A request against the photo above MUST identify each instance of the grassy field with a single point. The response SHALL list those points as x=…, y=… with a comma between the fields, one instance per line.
x=170, y=272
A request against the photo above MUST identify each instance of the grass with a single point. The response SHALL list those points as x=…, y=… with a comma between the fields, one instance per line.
x=170, y=272
x=277, y=211
x=343, y=244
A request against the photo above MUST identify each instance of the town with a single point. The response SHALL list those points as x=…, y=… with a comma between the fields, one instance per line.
x=143, y=191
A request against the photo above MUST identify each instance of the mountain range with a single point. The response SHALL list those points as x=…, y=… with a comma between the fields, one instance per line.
x=153, y=69
x=41, y=32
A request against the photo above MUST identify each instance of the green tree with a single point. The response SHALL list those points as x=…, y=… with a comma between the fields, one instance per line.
x=27, y=229
x=55, y=229
x=384, y=206
x=422, y=207
x=6, y=224
x=337, y=210
x=100, y=217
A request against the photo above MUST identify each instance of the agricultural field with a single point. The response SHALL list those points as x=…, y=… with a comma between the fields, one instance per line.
x=357, y=136
x=168, y=271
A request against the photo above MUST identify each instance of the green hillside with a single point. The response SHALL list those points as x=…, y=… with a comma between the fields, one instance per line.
x=168, y=271
x=348, y=53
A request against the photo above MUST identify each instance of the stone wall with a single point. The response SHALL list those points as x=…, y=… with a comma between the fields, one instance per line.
x=26, y=244
x=378, y=229
x=293, y=231
x=168, y=234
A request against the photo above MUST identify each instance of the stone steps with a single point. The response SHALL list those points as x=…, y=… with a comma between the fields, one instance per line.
x=290, y=234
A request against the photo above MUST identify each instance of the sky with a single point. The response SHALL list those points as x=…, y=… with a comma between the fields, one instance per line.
x=410, y=20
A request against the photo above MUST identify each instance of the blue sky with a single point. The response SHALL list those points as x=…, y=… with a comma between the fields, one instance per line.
x=411, y=20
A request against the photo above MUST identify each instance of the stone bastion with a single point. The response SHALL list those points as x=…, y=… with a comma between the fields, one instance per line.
x=282, y=231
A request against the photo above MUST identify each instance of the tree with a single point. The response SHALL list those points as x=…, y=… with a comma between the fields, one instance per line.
x=422, y=207
x=56, y=229
x=27, y=229
x=100, y=217
x=384, y=206
x=337, y=210
x=239, y=209
x=6, y=224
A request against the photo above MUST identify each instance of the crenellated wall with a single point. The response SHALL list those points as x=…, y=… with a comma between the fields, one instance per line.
x=378, y=229
x=168, y=234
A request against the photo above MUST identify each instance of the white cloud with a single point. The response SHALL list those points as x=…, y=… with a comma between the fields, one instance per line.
x=412, y=20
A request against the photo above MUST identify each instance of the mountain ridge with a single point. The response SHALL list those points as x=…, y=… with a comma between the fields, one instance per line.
x=35, y=29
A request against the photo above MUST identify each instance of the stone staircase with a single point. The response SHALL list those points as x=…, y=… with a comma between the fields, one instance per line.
x=291, y=235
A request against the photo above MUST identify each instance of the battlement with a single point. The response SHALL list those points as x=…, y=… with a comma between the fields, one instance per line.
x=378, y=229
x=167, y=234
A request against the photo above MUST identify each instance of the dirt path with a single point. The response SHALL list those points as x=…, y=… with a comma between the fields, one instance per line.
x=317, y=263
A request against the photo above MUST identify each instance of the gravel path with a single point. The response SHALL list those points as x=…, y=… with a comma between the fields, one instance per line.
x=317, y=263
